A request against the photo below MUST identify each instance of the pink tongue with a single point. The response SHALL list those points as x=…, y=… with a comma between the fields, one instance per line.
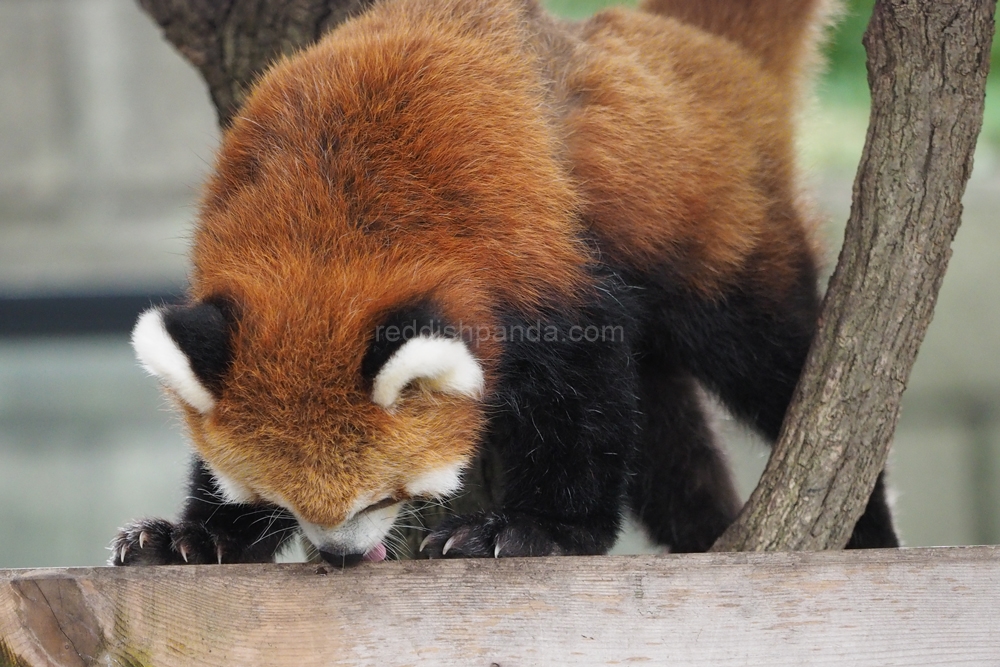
x=376, y=554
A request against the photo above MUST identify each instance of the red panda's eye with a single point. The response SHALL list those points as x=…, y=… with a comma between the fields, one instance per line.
x=385, y=502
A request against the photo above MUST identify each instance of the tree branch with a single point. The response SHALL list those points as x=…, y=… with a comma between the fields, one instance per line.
x=927, y=63
x=232, y=42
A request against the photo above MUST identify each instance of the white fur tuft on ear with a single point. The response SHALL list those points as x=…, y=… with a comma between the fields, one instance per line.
x=160, y=356
x=444, y=364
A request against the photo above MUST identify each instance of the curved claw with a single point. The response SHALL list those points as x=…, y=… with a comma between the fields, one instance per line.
x=447, y=545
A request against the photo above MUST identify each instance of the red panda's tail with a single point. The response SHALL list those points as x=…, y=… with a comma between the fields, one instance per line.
x=784, y=34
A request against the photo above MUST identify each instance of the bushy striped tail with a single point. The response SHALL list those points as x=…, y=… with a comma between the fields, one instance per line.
x=785, y=34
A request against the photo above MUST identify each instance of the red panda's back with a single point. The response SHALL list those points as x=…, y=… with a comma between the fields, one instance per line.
x=415, y=135
x=682, y=145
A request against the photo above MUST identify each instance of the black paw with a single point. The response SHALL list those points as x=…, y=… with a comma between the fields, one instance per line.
x=491, y=535
x=160, y=542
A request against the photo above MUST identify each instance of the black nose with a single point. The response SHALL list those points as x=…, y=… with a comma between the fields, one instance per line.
x=341, y=560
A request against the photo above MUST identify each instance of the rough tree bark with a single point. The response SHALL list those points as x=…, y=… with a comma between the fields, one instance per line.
x=232, y=42
x=927, y=66
x=928, y=61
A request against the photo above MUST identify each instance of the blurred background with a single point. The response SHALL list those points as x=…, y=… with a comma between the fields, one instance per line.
x=106, y=134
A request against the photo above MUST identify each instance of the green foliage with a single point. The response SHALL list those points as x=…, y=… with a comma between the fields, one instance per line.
x=8, y=658
x=846, y=83
x=578, y=9
x=846, y=54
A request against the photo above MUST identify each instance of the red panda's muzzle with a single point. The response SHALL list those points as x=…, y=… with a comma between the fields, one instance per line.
x=360, y=538
x=376, y=554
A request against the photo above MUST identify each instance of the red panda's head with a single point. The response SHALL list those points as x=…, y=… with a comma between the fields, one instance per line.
x=283, y=419
x=403, y=172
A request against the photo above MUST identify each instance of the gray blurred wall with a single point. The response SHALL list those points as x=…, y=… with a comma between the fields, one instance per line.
x=105, y=135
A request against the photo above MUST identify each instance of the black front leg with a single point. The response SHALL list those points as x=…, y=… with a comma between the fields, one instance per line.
x=749, y=346
x=210, y=530
x=565, y=426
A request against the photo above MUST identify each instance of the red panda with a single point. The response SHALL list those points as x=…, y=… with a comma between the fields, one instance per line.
x=454, y=224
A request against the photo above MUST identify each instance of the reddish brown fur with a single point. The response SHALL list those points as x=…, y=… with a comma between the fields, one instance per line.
x=684, y=149
x=782, y=34
x=452, y=148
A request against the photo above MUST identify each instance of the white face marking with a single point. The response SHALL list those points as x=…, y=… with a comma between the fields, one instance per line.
x=437, y=483
x=160, y=356
x=444, y=364
x=359, y=534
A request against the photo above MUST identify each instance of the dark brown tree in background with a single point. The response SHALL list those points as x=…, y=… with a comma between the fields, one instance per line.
x=232, y=42
x=927, y=67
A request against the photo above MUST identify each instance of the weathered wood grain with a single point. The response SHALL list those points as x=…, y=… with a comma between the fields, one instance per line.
x=909, y=607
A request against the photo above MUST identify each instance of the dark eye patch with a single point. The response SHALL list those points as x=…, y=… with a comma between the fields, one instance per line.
x=385, y=502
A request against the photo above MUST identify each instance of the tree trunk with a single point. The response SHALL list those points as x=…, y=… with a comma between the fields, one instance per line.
x=927, y=66
x=232, y=42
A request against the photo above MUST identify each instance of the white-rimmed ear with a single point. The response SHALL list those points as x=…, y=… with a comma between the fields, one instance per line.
x=442, y=364
x=160, y=355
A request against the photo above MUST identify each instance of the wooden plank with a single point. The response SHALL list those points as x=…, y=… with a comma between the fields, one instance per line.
x=907, y=607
